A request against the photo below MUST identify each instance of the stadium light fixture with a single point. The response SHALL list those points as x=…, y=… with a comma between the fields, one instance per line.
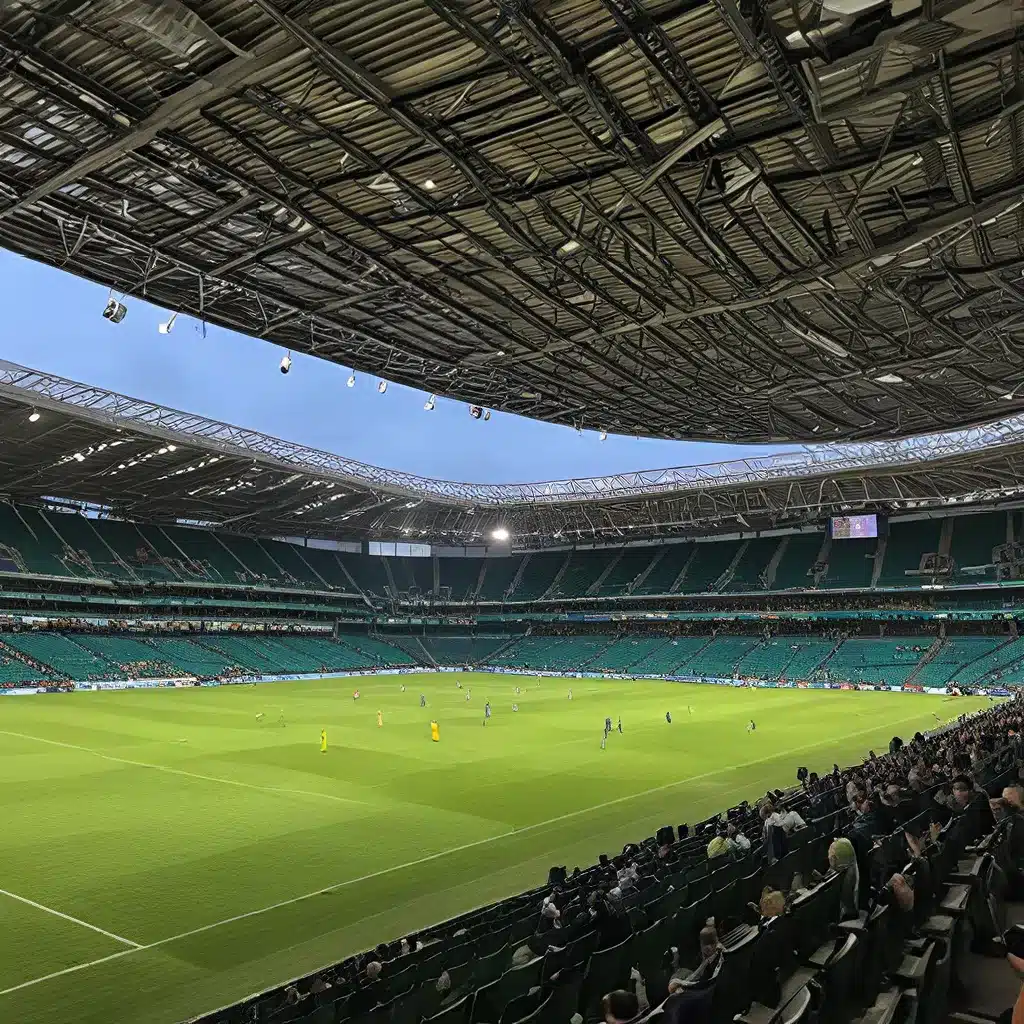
x=429, y=185
x=1011, y=395
x=286, y=362
x=382, y=386
x=34, y=417
x=603, y=436
x=165, y=328
x=351, y=382
x=500, y=534
x=430, y=403
x=114, y=311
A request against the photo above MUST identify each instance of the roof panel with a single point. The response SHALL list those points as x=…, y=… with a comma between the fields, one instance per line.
x=734, y=222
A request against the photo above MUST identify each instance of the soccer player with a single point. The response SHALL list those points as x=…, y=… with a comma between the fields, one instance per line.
x=690, y=709
x=403, y=687
x=515, y=707
x=607, y=725
x=435, y=732
x=458, y=683
x=570, y=695
x=323, y=741
x=423, y=700
x=487, y=711
x=751, y=726
x=259, y=717
x=380, y=719
x=355, y=695
x=620, y=725
x=604, y=740
x=668, y=717
x=468, y=695
x=517, y=691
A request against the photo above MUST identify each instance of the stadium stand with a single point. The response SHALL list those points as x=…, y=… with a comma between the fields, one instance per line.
x=711, y=564
x=914, y=553
x=62, y=654
x=499, y=575
x=784, y=657
x=796, y=561
x=752, y=568
x=851, y=564
x=720, y=658
x=888, y=661
x=819, y=902
x=666, y=572
x=905, y=549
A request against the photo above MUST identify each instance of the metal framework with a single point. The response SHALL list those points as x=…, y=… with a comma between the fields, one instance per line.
x=142, y=461
x=727, y=219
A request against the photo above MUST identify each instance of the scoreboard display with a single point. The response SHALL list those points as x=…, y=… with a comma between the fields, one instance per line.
x=854, y=527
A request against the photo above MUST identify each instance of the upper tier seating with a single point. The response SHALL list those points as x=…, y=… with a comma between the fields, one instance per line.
x=71, y=545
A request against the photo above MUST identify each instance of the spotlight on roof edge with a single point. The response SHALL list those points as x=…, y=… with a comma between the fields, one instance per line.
x=603, y=436
x=34, y=418
x=500, y=533
x=351, y=382
x=479, y=412
x=382, y=386
x=430, y=403
x=114, y=311
x=286, y=363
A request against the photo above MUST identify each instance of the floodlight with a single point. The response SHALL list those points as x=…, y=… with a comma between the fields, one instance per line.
x=34, y=418
x=430, y=403
x=382, y=386
x=351, y=382
x=603, y=436
x=165, y=328
x=500, y=533
x=286, y=363
x=115, y=311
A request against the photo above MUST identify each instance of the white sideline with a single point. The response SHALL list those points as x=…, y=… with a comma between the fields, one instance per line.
x=73, y=920
x=181, y=771
x=429, y=857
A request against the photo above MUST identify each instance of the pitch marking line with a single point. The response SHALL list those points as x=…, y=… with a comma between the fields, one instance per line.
x=73, y=920
x=189, y=775
x=429, y=857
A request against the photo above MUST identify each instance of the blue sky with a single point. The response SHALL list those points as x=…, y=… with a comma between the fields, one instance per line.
x=52, y=322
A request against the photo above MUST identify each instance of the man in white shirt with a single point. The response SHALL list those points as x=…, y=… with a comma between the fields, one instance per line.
x=786, y=820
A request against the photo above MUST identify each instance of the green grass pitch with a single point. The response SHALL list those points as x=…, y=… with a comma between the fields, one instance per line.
x=180, y=853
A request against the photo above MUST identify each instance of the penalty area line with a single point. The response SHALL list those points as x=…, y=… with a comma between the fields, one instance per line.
x=73, y=920
x=447, y=853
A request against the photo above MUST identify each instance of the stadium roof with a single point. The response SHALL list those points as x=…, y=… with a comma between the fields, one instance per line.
x=64, y=441
x=728, y=219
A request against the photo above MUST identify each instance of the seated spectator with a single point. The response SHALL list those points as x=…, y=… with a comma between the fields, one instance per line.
x=786, y=820
x=843, y=860
x=620, y=1007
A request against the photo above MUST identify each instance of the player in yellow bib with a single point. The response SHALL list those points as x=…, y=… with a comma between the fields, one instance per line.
x=435, y=732
x=380, y=719
x=323, y=741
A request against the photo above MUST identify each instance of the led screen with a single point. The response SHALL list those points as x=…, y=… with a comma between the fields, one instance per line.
x=854, y=527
